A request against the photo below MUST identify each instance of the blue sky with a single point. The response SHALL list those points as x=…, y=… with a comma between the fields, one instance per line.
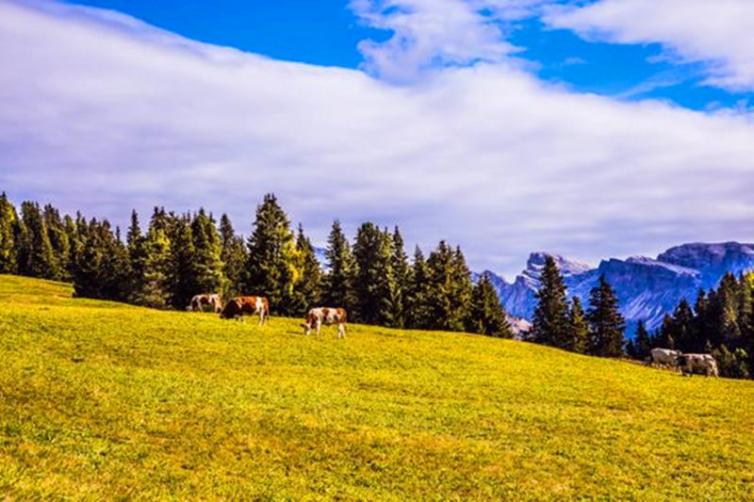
x=593, y=129
x=327, y=32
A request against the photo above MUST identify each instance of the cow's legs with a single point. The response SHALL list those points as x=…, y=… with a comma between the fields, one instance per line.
x=319, y=326
x=341, y=330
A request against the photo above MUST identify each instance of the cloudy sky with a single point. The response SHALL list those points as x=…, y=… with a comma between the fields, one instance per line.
x=588, y=128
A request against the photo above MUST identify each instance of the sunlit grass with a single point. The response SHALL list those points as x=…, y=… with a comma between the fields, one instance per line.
x=101, y=400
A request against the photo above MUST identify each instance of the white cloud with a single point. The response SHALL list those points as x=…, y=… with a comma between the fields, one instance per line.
x=105, y=116
x=719, y=33
x=431, y=34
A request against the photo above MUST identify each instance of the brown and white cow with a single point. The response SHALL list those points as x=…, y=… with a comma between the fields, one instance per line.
x=701, y=364
x=247, y=305
x=328, y=316
x=198, y=302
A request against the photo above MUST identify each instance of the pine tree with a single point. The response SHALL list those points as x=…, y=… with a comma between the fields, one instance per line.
x=375, y=281
x=137, y=258
x=8, y=223
x=338, y=283
x=487, y=316
x=402, y=273
x=606, y=323
x=38, y=256
x=233, y=257
x=642, y=342
x=578, y=328
x=207, y=265
x=58, y=240
x=155, y=288
x=307, y=292
x=550, y=322
x=271, y=265
x=449, y=294
x=184, y=272
x=682, y=327
x=418, y=307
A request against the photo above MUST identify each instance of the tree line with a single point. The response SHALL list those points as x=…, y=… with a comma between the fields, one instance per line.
x=721, y=323
x=563, y=323
x=179, y=255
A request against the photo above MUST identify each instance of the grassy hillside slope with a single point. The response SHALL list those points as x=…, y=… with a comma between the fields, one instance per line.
x=103, y=400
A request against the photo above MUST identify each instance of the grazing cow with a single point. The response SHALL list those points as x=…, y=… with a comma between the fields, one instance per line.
x=198, y=302
x=325, y=315
x=701, y=364
x=665, y=357
x=247, y=305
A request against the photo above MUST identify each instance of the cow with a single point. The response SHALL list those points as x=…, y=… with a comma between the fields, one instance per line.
x=325, y=315
x=664, y=357
x=247, y=305
x=701, y=364
x=198, y=302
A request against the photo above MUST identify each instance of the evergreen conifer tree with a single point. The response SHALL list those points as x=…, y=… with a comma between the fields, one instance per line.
x=233, y=256
x=402, y=273
x=375, y=282
x=418, y=305
x=606, y=323
x=271, y=264
x=578, y=328
x=487, y=316
x=8, y=244
x=449, y=294
x=550, y=322
x=58, y=240
x=338, y=283
x=642, y=342
x=155, y=288
x=208, y=265
x=307, y=291
x=37, y=252
x=184, y=270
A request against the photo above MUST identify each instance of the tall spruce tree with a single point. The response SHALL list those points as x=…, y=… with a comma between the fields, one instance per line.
x=402, y=273
x=418, y=296
x=449, y=295
x=578, y=328
x=58, y=239
x=307, y=291
x=184, y=271
x=338, y=284
x=487, y=315
x=606, y=322
x=271, y=264
x=8, y=224
x=642, y=342
x=233, y=257
x=550, y=322
x=155, y=288
x=209, y=276
x=375, y=281
x=38, y=256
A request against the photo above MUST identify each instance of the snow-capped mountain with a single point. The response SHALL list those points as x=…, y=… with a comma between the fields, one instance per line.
x=647, y=288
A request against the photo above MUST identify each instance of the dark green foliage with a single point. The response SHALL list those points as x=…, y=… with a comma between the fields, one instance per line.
x=605, y=322
x=402, y=273
x=578, y=328
x=100, y=267
x=642, y=343
x=550, y=323
x=155, y=284
x=418, y=307
x=271, y=264
x=182, y=281
x=233, y=256
x=732, y=364
x=307, y=291
x=8, y=230
x=449, y=295
x=59, y=241
x=487, y=316
x=207, y=262
x=36, y=255
x=375, y=282
x=339, y=282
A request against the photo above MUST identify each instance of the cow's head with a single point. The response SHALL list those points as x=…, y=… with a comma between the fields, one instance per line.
x=232, y=309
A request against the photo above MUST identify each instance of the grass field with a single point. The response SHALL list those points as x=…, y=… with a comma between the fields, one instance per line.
x=100, y=400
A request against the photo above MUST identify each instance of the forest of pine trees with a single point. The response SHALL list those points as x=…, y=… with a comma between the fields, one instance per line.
x=162, y=263
x=559, y=323
x=721, y=322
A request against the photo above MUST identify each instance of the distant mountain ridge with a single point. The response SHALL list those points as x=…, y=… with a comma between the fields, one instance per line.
x=647, y=288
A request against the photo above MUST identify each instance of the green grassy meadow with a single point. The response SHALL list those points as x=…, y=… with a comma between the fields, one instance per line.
x=102, y=400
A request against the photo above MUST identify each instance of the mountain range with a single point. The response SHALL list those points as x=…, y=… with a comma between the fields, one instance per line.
x=647, y=288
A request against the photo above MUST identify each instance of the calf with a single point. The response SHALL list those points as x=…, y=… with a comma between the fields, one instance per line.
x=665, y=357
x=198, y=302
x=325, y=315
x=247, y=305
x=701, y=364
